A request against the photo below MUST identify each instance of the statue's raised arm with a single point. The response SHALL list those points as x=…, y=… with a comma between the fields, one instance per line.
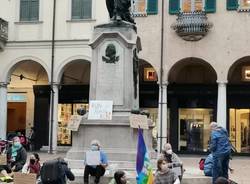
x=120, y=10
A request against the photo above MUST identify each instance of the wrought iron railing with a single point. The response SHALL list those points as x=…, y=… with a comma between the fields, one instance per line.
x=192, y=26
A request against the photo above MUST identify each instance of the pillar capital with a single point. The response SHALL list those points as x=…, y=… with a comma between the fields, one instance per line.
x=164, y=83
x=222, y=82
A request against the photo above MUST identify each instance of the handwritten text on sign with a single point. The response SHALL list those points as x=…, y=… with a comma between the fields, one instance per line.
x=100, y=110
x=137, y=121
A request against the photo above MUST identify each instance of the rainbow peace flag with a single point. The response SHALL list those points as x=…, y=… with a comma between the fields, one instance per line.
x=143, y=166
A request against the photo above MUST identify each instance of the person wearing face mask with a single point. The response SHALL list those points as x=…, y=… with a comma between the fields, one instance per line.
x=172, y=158
x=96, y=170
x=119, y=178
x=18, y=156
x=33, y=166
x=164, y=175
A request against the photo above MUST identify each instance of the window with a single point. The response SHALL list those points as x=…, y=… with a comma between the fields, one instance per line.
x=192, y=5
x=244, y=4
x=81, y=9
x=29, y=10
x=175, y=6
x=144, y=7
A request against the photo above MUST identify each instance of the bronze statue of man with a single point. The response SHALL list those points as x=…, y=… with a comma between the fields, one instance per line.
x=120, y=10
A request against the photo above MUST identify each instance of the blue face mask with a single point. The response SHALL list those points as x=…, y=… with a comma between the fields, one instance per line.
x=17, y=144
x=94, y=148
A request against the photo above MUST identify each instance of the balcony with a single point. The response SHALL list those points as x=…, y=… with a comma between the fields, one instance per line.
x=192, y=26
x=3, y=33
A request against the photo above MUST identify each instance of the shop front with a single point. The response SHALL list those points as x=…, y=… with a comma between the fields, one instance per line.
x=192, y=108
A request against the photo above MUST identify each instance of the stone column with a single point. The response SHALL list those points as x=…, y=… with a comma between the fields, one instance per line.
x=222, y=104
x=55, y=118
x=162, y=112
x=3, y=111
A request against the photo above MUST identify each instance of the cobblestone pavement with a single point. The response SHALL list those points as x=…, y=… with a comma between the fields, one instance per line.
x=241, y=165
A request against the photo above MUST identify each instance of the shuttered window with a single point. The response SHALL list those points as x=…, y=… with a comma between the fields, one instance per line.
x=175, y=6
x=81, y=9
x=144, y=7
x=29, y=10
x=152, y=7
x=232, y=4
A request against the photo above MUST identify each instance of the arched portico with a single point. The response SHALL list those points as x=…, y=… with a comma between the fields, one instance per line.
x=192, y=101
x=239, y=104
x=17, y=98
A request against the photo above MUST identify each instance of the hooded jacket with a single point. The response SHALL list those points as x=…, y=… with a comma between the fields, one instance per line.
x=220, y=144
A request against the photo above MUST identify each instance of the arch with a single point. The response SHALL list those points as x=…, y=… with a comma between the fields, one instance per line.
x=11, y=67
x=235, y=72
x=186, y=71
x=67, y=62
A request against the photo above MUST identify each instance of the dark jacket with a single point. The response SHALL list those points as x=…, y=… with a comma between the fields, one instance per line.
x=220, y=144
x=20, y=159
x=67, y=173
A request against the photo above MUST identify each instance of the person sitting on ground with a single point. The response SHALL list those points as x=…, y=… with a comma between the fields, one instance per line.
x=208, y=165
x=221, y=180
x=164, y=175
x=96, y=170
x=119, y=178
x=18, y=156
x=33, y=166
x=171, y=157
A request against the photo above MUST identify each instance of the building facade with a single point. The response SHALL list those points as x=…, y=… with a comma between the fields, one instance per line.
x=204, y=56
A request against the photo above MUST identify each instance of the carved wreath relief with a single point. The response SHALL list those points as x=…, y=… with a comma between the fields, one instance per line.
x=110, y=54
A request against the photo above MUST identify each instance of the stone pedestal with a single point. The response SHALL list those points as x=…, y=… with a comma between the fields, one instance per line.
x=112, y=78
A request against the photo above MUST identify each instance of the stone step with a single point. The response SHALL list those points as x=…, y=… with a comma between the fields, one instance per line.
x=189, y=177
x=107, y=179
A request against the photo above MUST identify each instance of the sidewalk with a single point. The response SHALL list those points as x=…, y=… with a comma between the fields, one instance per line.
x=241, y=166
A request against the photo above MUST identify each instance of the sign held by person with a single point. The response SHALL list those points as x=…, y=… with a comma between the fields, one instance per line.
x=100, y=110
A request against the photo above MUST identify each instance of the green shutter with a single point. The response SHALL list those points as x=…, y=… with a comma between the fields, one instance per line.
x=174, y=6
x=76, y=9
x=152, y=7
x=24, y=10
x=232, y=4
x=34, y=10
x=210, y=6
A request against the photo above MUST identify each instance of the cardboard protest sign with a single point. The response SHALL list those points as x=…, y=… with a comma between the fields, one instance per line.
x=23, y=178
x=138, y=121
x=100, y=110
x=74, y=122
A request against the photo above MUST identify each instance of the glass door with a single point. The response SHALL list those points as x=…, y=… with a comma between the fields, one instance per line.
x=194, y=130
x=240, y=129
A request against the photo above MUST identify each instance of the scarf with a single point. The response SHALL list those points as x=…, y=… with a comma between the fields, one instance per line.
x=14, y=150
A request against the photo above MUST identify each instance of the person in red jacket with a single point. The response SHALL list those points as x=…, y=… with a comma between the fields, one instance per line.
x=33, y=166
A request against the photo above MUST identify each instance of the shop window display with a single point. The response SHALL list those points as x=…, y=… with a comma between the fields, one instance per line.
x=64, y=113
x=194, y=129
x=240, y=129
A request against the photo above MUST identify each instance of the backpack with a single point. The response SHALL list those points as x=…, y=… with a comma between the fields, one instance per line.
x=51, y=172
x=202, y=163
